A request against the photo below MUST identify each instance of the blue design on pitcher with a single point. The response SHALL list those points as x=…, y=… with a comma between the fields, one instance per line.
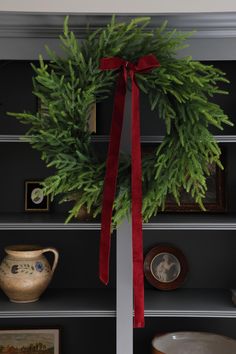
x=14, y=269
x=39, y=267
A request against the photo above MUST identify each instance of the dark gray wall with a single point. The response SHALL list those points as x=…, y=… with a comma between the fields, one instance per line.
x=79, y=250
x=78, y=266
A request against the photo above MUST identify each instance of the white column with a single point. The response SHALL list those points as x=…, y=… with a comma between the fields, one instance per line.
x=124, y=297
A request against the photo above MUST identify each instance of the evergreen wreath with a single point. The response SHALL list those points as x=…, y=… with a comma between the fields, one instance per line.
x=179, y=91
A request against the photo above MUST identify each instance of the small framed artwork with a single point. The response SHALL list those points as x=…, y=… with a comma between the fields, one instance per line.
x=30, y=341
x=215, y=200
x=215, y=195
x=165, y=267
x=35, y=200
x=92, y=120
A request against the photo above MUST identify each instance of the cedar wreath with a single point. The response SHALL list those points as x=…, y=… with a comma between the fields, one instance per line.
x=178, y=91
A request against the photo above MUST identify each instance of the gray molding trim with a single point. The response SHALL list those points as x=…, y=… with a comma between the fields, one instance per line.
x=56, y=314
x=49, y=226
x=206, y=25
x=97, y=226
x=181, y=313
x=190, y=303
x=23, y=221
x=185, y=303
x=159, y=138
x=11, y=138
x=95, y=314
x=105, y=139
x=190, y=226
x=64, y=303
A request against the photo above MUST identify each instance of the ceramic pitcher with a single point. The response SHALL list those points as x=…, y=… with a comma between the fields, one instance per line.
x=25, y=272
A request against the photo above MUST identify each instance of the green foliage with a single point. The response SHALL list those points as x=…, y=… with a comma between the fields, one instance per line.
x=179, y=91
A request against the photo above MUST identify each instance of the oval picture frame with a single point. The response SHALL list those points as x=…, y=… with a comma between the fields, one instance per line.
x=165, y=267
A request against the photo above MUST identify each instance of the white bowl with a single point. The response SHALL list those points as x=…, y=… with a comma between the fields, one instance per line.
x=193, y=343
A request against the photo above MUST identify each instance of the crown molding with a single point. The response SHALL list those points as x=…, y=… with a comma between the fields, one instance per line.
x=206, y=25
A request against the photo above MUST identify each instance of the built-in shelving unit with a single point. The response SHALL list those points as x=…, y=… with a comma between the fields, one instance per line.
x=23, y=40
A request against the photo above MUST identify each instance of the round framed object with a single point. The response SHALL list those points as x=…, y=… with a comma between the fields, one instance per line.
x=165, y=267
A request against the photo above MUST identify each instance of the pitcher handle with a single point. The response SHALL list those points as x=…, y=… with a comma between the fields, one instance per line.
x=56, y=256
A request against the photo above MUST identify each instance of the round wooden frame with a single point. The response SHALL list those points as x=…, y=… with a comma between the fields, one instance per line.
x=165, y=248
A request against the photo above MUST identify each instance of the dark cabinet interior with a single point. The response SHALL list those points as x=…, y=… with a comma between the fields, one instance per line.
x=210, y=250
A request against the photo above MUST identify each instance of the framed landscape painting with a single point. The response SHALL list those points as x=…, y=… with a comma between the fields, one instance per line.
x=29, y=341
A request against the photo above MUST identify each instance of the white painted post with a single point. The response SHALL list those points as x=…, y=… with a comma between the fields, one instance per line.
x=124, y=272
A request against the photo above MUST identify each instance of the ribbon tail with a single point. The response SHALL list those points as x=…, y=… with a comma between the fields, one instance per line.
x=111, y=178
x=136, y=190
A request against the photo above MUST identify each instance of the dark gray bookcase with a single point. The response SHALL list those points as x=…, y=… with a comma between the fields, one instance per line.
x=94, y=318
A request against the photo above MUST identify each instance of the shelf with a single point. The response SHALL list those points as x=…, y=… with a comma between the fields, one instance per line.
x=189, y=303
x=23, y=221
x=105, y=138
x=101, y=303
x=63, y=303
x=4, y=138
x=219, y=138
x=192, y=222
x=11, y=139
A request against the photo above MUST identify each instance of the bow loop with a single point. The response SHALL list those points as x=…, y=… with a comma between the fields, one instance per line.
x=111, y=63
x=147, y=63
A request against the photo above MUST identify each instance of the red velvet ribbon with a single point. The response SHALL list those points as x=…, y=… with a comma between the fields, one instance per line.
x=126, y=68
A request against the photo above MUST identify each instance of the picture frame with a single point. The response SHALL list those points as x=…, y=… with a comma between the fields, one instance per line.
x=30, y=341
x=165, y=267
x=93, y=119
x=215, y=200
x=35, y=201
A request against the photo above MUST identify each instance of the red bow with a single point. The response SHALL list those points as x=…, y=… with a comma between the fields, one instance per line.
x=127, y=68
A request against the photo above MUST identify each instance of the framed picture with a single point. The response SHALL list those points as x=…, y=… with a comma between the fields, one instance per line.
x=215, y=200
x=29, y=341
x=92, y=119
x=165, y=267
x=35, y=200
x=215, y=195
